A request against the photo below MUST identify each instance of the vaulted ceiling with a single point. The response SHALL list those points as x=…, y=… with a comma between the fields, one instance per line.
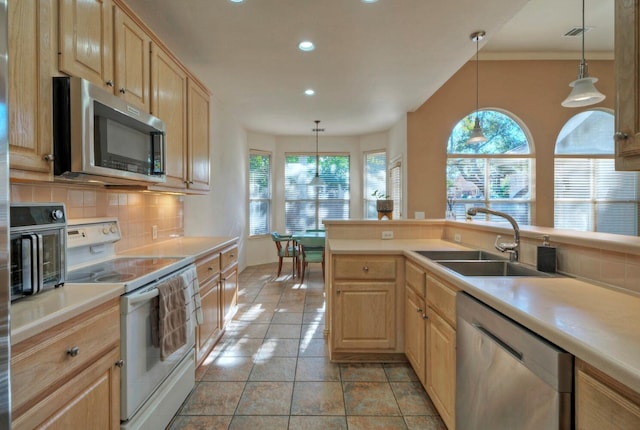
x=373, y=62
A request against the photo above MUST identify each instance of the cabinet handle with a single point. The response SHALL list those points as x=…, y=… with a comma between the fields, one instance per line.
x=119, y=363
x=109, y=83
x=365, y=269
x=419, y=310
x=620, y=135
x=122, y=90
x=48, y=157
x=72, y=352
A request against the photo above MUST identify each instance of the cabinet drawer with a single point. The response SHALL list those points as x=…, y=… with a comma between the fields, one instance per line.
x=208, y=266
x=442, y=299
x=365, y=268
x=228, y=257
x=42, y=362
x=416, y=278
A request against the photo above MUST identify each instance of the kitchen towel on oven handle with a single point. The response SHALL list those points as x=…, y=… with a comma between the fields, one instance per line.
x=170, y=333
x=192, y=292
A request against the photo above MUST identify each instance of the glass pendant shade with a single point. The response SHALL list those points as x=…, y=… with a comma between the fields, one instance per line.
x=477, y=136
x=317, y=182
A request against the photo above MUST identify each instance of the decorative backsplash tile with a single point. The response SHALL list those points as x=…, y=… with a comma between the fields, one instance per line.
x=136, y=211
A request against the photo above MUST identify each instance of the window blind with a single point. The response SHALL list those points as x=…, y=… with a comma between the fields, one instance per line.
x=259, y=193
x=375, y=178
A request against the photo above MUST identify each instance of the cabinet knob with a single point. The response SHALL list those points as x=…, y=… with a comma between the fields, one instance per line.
x=48, y=157
x=425, y=317
x=210, y=269
x=119, y=363
x=419, y=310
x=122, y=90
x=72, y=352
x=620, y=135
x=365, y=269
x=338, y=291
x=109, y=83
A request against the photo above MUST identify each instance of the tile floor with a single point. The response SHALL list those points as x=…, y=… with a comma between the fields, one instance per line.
x=271, y=370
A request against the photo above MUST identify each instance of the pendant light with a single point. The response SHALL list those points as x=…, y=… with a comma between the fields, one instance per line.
x=584, y=93
x=317, y=180
x=476, y=134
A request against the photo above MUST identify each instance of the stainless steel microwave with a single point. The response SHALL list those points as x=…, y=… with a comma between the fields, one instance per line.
x=98, y=137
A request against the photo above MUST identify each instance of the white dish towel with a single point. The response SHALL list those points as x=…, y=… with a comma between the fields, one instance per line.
x=192, y=291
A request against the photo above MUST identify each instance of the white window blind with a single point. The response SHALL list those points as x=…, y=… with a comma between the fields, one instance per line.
x=375, y=178
x=307, y=206
x=590, y=195
x=395, y=182
x=259, y=193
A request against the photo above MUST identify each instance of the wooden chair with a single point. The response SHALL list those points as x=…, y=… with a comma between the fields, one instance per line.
x=311, y=251
x=286, y=248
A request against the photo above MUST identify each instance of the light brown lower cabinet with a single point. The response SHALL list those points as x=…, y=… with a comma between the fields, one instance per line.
x=441, y=367
x=415, y=333
x=602, y=402
x=68, y=376
x=229, y=283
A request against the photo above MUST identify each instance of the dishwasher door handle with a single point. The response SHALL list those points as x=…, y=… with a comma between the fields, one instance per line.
x=518, y=355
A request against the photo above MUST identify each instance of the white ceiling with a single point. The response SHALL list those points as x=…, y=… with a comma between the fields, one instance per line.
x=372, y=63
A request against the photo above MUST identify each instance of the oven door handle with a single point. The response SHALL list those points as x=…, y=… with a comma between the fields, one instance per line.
x=143, y=297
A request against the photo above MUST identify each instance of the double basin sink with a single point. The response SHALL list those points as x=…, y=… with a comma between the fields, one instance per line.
x=481, y=263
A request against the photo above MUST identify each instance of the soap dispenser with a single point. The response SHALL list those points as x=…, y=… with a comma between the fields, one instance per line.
x=546, y=256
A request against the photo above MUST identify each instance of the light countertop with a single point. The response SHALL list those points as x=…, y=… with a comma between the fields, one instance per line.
x=597, y=324
x=32, y=315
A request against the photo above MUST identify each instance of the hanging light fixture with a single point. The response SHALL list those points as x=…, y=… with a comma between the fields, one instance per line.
x=584, y=93
x=476, y=134
x=317, y=180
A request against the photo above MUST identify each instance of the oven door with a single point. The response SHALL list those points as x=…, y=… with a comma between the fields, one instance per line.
x=143, y=371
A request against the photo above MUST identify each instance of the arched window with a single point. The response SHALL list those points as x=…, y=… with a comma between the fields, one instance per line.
x=496, y=173
x=590, y=195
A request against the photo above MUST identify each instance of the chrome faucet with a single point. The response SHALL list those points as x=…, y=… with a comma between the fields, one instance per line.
x=511, y=248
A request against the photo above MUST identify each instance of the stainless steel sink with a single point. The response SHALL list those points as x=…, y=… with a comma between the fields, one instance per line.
x=493, y=268
x=460, y=255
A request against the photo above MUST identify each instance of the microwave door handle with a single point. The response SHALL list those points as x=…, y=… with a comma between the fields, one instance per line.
x=158, y=139
x=40, y=265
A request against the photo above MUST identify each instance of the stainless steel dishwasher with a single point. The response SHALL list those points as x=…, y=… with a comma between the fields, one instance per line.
x=507, y=377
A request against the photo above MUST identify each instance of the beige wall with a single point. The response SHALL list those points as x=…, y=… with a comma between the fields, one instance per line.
x=531, y=90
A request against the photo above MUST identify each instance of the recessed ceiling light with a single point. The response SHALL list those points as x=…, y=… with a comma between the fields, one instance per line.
x=309, y=91
x=236, y=1
x=306, y=45
x=369, y=1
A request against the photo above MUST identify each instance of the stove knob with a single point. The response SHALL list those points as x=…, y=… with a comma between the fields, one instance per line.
x=105, y=229
x=113, y=228
x=57, y=214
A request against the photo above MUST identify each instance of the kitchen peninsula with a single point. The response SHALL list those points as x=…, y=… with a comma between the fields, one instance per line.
x=592, y=320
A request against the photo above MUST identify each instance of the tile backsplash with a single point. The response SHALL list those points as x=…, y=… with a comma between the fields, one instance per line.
x=136, y=211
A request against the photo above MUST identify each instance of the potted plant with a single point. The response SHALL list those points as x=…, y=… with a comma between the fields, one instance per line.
x=384, y=205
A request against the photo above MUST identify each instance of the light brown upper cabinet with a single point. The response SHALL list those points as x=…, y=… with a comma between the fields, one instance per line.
x=103, y=44
x=86, y=40
x=183, y=105
x=627, y=108
x=30, y=145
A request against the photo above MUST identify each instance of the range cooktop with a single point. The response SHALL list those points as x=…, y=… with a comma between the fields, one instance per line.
x=120, y=269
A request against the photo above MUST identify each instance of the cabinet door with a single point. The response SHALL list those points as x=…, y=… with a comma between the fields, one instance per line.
x=229, y=294
x=90, y=400
x=364, y=315
x=132, y=51
x=415, y=332
x=86, y=40
x=169, y=103
x=441, y=366
x=604, y=403
x=627, y=75
x=209, y=330
x=30, y=48
x=199, y=142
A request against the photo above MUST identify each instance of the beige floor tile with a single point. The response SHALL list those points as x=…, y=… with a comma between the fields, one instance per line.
x=317, y=369
x=209, y=422
x=284, y=331
x=317, y=398
x=266, y=398
x=369, y=372
x=301, y=422
x=240, y=422
x=213, y=398
x=412, y=398
x=278, y=348
x=376, y=423
x=400, y=372
x=274, y=369
x=314, y=348
x=229, y=369
x=370, y=398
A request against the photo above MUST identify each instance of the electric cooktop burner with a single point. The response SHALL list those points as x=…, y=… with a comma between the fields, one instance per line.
x=119, y=269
